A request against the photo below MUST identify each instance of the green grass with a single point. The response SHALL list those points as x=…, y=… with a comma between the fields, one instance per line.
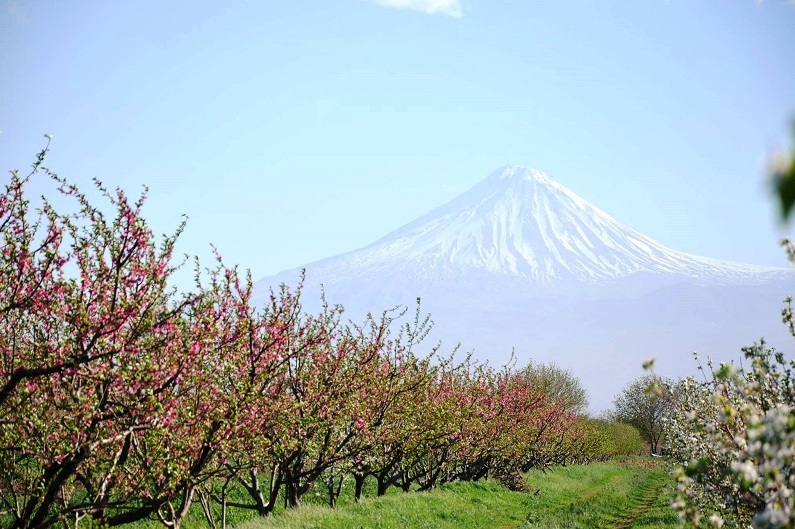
x=455, y=505
x=631, y=493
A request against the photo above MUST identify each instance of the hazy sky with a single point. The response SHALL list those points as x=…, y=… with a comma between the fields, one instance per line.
x=289, y=131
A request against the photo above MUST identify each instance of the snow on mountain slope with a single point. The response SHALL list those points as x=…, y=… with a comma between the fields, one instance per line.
x=520, y=223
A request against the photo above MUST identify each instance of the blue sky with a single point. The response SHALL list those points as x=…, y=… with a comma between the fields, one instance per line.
x=295, y=130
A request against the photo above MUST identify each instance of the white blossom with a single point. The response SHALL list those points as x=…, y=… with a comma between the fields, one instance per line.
x=734, y=438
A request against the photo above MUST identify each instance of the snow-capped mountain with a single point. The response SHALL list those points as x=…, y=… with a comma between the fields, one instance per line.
x=520, y=223
x=519, y=261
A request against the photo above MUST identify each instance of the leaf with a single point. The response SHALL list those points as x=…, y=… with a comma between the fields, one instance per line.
x=785, y=188
x=782, y=169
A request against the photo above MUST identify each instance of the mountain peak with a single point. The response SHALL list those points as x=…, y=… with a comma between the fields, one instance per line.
x=515, y=172
x=524, y=185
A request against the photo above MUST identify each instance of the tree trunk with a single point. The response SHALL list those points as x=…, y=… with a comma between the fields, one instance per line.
x=292, y=494
x=175, y=517
x=274, y=486
x=358, y=480
x=405, y=482
x=204, y=499
x=332, y=494
x=263, y=507
x=383, y=484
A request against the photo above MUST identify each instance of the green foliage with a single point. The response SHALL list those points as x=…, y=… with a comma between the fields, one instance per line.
x=605, y=439
x=558, y=385
x=644, y=404
x=782, y=167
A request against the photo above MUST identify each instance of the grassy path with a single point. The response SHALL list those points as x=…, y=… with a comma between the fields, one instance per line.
x=651, y=494
x=611, y=496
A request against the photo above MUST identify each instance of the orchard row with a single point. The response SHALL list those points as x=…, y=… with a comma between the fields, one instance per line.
x=123, y=399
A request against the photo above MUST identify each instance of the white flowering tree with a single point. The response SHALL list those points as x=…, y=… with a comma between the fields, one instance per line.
x=644, y=404
x=734, y=437
x=733, y=433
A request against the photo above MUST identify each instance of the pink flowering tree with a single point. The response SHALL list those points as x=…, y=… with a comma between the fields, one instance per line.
x=234, y=402
x=341, y=387
x=90, y=332
x=118, y=396
x=382, y=385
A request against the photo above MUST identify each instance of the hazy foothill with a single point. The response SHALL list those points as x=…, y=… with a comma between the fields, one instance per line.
x=271, y=270
x=519, y=264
